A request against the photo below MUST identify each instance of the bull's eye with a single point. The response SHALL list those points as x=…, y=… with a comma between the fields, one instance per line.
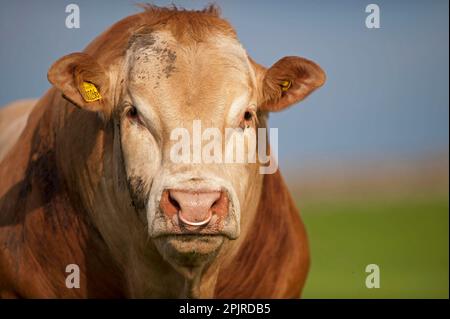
x=248, y=119
x=132, y=113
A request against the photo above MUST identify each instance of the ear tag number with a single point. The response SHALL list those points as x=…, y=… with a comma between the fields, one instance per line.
x=89, y=92
x=285, y=85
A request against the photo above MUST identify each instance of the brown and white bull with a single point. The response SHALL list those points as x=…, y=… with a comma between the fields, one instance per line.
x=88, y=180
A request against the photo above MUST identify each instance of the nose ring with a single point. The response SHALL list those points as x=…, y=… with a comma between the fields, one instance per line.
x=201, y=223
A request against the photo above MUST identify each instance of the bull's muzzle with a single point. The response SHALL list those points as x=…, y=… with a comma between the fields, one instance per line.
x=195, y=209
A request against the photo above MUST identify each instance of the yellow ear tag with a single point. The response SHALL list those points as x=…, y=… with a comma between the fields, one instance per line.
x=285, y=85
x=89, y=92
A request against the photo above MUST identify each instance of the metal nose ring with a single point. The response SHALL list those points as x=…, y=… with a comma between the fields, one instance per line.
x=201, y=223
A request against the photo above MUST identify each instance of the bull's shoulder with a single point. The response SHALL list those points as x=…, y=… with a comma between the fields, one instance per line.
x=273, y=260
x=13, y=118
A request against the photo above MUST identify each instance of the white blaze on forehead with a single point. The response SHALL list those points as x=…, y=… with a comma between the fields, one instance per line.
x=152, y=56
x=230, y=45
x=233, y=47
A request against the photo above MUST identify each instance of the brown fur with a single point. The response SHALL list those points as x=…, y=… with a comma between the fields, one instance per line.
x=274, y=259
x=43, y=228
x=185, y=26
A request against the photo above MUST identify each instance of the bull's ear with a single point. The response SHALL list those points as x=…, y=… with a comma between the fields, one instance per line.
x=287, y=82
x=81, y=80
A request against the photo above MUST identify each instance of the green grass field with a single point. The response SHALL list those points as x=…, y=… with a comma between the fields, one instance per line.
x=407, y=238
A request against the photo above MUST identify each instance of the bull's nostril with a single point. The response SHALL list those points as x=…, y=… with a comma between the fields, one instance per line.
x=216, y=203
x=174, y=202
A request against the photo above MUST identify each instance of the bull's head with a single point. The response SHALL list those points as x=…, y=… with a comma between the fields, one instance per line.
x=166, y=77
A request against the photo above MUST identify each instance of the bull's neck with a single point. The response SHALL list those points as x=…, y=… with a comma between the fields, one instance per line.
x=45, y=196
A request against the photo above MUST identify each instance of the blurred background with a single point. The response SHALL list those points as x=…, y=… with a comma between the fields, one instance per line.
x=366, y=157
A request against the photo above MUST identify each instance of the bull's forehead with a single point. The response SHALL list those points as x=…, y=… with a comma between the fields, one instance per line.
x=186, y=81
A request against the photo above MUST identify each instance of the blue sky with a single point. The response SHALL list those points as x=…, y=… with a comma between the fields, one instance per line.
x=387, y=91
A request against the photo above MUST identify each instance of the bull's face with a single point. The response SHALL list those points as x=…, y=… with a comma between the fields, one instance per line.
x=174, y=94
x=168, y=102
